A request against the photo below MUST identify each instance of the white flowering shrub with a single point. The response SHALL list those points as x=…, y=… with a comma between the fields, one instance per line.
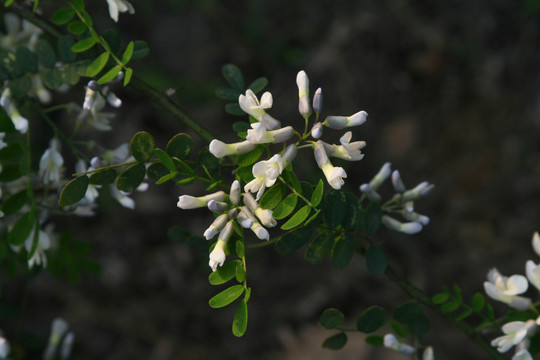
x=254, y=195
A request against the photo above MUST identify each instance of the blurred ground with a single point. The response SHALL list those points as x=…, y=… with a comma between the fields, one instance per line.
x=452, y=91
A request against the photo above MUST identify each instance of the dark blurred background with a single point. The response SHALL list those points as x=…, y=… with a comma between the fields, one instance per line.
x=452, y=90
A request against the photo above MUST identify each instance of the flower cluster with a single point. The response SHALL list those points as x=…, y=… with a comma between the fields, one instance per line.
x=267, y=130
x=508, y=290
x=401, y=203
x=237, y=207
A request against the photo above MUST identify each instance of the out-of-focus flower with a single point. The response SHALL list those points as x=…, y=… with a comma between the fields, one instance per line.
x=371, y=188
x=506, y=289
x=58, y=328
x=67, y=345
x=533, y=273
x=51, y=163
x=522, y=354
x=428, y=354
x=536, y=243
x=515, y=332
x=4, y=348
x=391, y=342
x=406, y=228
x=118, y=6
x=43, y=243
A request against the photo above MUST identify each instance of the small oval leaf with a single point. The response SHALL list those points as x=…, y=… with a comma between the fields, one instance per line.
x=234, y=76
x=240, y=321
x=104, y=177
x=83, y=45
x=97, y=65
x=180, y=146
x=226, y=297
x=273, y=196
x=109, y=75
x=371, y=319
x=297, y=218
x=142, y=146
x=286, y=207
x=128, y=53
x=73, y=191
x=320, y=248
x=335, y=342
x=224, y=273
x=165, y=159
x=317, y=195
x=332, y=318
x=131, y=178
x=63, y=15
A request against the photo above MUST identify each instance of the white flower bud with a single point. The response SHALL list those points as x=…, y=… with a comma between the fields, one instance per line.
x=234, y=194
x=334, y=175
x=380, y=177
x=243, y=219
x=4, y=348
x=406, y=228
x=67, y=345
x=113, y=100
x=216, y=226
x=419, y=191
x=190, y=202
x=317, y=102
x=58, y=329
x=536, y=243
x=397, y=182
x=428, y=354
x=288, y=155
x=217, y=206
x=317, y=130
x=341, y=122
x=260, y=232
x=303, y=94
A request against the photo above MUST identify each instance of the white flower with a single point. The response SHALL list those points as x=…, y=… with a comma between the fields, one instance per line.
x=398, y=184
x=259, y=135
x=536, y=243
x=506, y=289
x=515, y=332
x=419, y=191
x=217, y=206
x=251, y=105
x=219, y=149
x=428, y=354
x=391, y=342
x=123, y=198
x=347, y=150
x=317, y=130
x=217, y=256
x=116, y=6
x=2, y=143
x=234, y=194
x=406, y=228
x=50, y=163
x=334, y=175
x=265, y=172
x=19, y=122
x=341, y=122
x=67, y=345
x=260, y=232
x=409, y=214
x=39, y=90
x=58, y=329
x=43, y=243
x=533, y=273
x=522, y=354
x=216, y=226
x=4, y=348
x=265, y=215
x=302, y=82
x=371, y=189
x=191, y=202
x=318, y=101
